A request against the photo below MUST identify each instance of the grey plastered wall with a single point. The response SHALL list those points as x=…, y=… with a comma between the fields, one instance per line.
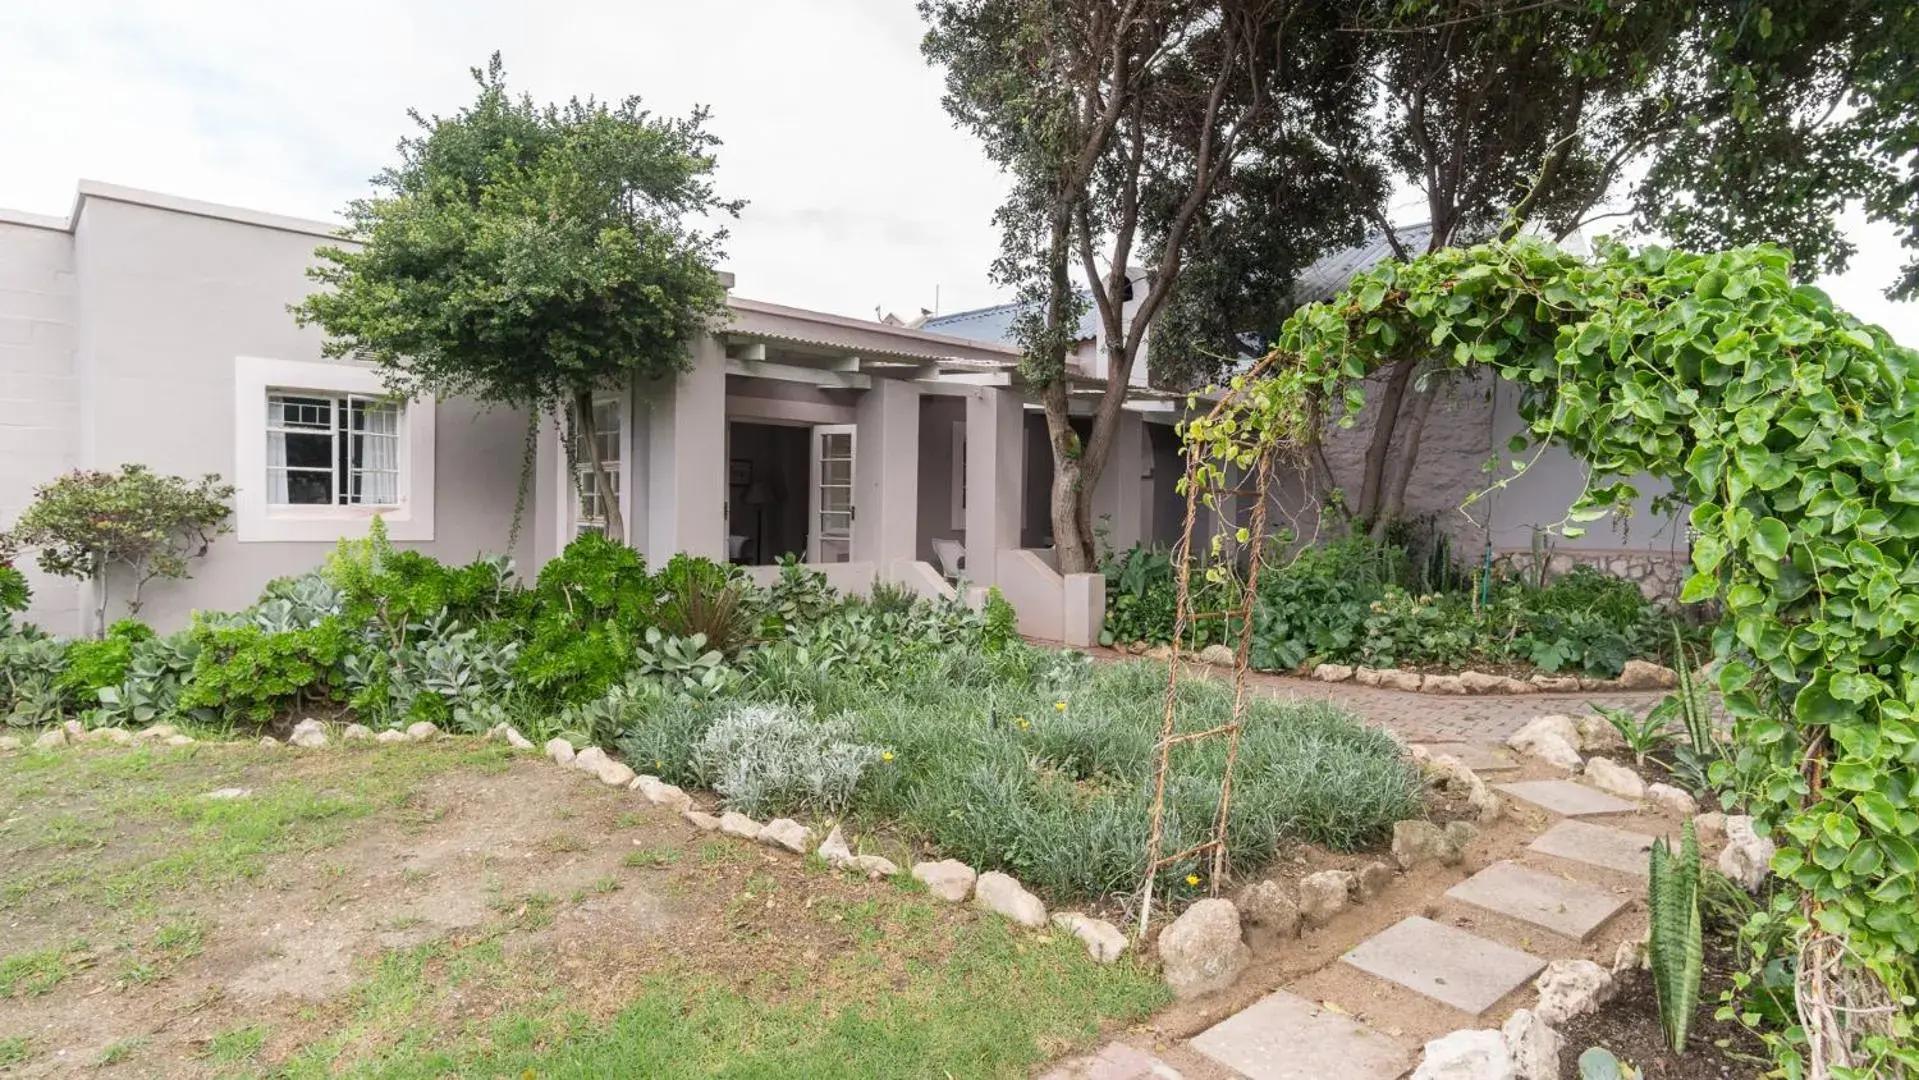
x=938, y=414
x=39, y=386
x=166, y=300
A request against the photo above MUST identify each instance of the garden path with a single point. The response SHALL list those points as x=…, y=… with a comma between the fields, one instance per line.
x=1470, y=952
x=1431, y=717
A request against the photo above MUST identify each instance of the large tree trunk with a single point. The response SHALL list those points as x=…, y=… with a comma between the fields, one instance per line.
x=1379, y=447
x=602, y=483
x=1393, y=506
x=1072, y=531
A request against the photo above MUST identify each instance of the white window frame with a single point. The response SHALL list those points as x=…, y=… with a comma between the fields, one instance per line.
x=340, y=412
x=256, y=520
x=620, y=470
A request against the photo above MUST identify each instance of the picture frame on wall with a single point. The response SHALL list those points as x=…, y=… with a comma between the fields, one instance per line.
x=739, y=472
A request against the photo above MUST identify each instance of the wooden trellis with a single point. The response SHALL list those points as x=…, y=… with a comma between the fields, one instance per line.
x=1208, y=496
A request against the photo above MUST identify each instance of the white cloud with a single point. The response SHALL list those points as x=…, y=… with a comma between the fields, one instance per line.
x=861, y=193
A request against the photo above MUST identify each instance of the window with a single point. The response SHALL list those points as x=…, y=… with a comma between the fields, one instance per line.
x=327, y=450
x=320, y=447
x=608, y=421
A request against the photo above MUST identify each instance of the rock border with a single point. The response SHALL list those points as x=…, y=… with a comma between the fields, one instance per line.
x=1637, y=675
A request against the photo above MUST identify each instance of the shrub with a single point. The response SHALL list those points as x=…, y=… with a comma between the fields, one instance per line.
x=699, y=597
x=93, y=665
x=584, y=619
x=1674, y=948
x=88, y=523
x=155, y=679
x=243, y=672
x=30, y=670
x=778, y=758
x=14, y=593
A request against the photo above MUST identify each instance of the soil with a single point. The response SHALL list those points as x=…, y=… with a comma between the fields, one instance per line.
x=1629, y=1026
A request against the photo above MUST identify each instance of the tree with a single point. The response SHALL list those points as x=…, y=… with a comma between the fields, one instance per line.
x=527, y=255
x=1119, y=122
x=89, y=523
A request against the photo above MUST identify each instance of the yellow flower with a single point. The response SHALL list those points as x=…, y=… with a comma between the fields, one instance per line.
x=886, y=755
x=1192, y=879
x=1059, y=706
x=658, y=764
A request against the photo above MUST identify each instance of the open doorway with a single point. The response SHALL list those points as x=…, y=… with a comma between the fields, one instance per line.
x=767, y=492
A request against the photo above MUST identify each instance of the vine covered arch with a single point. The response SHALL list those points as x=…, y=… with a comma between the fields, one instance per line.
x=1791, y=431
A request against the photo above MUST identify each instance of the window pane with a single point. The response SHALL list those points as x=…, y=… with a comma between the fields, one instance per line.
x=294, y=411
x=307, y=451
x=309, y=488
x=836, y=472
x=836, y=498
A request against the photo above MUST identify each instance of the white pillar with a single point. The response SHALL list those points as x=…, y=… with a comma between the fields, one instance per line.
x=886, y=475
x=685, y=454
x=994, y=467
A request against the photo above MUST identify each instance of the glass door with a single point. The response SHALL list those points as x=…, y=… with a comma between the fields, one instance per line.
x=832, y=488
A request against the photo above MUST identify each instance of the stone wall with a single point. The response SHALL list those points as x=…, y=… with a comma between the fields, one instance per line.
x=1659, y=574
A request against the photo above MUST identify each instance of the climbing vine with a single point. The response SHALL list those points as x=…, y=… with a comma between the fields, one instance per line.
x=1789, y=428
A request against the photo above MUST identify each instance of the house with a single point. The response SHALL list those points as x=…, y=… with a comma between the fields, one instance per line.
x=154, y=329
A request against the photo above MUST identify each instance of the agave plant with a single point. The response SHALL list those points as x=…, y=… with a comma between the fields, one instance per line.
x=1675, y=950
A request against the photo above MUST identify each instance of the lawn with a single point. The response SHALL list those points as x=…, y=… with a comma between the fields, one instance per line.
x=442, y=909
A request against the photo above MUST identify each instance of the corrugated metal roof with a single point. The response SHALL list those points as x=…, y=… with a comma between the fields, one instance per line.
x=996, y=324
x=1324, y=278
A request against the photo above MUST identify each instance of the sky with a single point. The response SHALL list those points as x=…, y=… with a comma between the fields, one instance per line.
x=862, y=197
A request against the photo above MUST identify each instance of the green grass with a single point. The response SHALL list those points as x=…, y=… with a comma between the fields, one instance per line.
x=121, y=1051
x=240, y=1044
x=975, y=1000
x=655, y=856
x=14, y=1050
x=34, y=973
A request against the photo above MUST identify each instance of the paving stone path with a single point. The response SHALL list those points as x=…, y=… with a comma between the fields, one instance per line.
x=1286, y=1036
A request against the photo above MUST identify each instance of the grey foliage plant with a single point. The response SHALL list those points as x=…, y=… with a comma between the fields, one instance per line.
x=768, y=758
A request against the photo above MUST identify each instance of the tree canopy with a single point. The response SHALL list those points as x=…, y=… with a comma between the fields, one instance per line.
x=526, y=255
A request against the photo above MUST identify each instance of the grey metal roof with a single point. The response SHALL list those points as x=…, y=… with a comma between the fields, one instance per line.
x=1326, y=277
x=996, y=324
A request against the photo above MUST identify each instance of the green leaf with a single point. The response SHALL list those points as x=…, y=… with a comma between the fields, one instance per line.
x=1770, y=537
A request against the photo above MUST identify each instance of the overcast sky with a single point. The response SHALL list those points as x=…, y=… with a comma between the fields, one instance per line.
x=862, y=195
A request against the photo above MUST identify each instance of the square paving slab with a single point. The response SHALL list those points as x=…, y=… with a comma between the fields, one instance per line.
x=1597, y=845
x=1566, y=797
x=1478, y=757
x=1116, y=1061
x=1569, y=908
x=1448, y=965
x=1285, y=1037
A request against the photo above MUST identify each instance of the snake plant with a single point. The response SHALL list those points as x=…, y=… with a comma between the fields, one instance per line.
x=1675, y=951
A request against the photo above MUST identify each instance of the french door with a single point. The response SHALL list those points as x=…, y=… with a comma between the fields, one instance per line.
x=831, y=499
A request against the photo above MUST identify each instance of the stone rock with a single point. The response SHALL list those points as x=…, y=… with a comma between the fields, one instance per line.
x=1478, y=682
x=51, y=738
x=948, y=879
x=1628, y=956
x=516, y=740
x=1418, y=842
x=1677, y=800
x=1460, y=834
x=1644, y=675
x=590, y=759
x=1441, y=684
x=1202, y=951
x=10, y=742
x=228, y=793
x=1004, y=895
x=1103, y=941
x=118, y=736
x=1333, y=672
x=1614, y=779
x=1597, y=735
x=308, y=733
x=1590, y=685
x=1159, y=652
x=422, y=731
x=390, y=735
x=874, y=867
x=1366, y=676
x=1747, y=857
x=1564, y=728
x=182, y=740
x=614, y=773
x=1373, y=879
x=166, y=731
x=701, y=821
x=1407, y=681
x=787, y=833
x=1448, y=773
x=1549, y=747
x=834, y=849
x=356, y=733
x=1323, y=896
x=1555, y=684
x=76, y=731
x=1467, y=1055
x=1266, y=903
x=560, y=751
x=1534, y=1046
x=1570, y=988
x=268, y=742
x=660, y=793
x=1709, y=827
x=734, y=823
x=1217, y=655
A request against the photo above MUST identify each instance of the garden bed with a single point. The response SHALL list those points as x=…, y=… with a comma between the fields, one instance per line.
x=1629, y=1027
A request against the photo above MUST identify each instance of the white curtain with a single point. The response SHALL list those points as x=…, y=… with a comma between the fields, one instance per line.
x=379, y=462
x=276, y=453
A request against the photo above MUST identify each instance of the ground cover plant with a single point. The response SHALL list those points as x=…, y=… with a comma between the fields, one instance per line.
x=1358, y=601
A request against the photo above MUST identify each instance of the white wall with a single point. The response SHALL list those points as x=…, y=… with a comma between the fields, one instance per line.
x=39, y=387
